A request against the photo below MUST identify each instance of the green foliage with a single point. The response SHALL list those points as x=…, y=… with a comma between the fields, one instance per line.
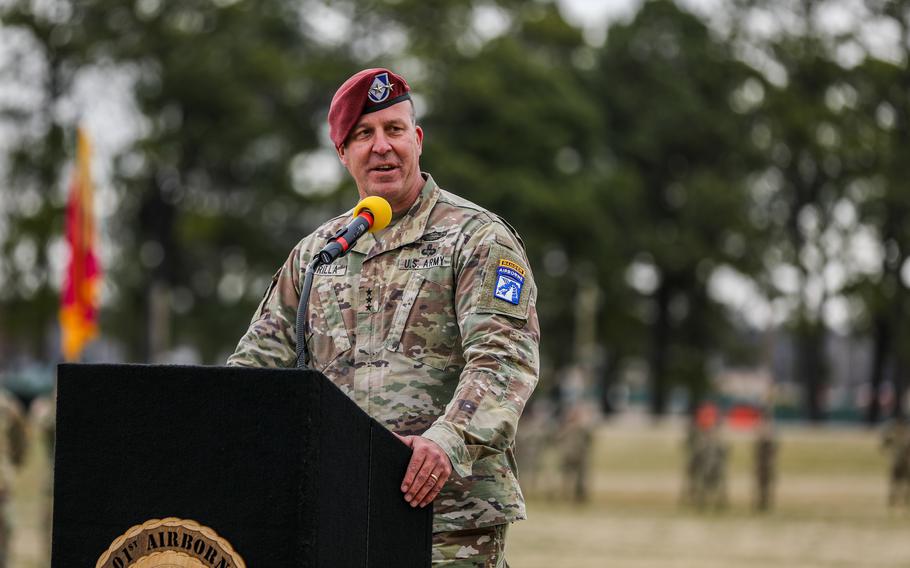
x=232, y=92
x=510, y=128
x=666, y=87
x=640, y=167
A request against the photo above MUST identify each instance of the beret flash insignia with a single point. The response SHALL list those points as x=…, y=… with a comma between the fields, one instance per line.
x=380, y=89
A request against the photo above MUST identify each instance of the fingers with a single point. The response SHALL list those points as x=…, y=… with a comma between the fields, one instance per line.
x=414, y=467
x=427, y=472
x=432, y=488
x=425, y=484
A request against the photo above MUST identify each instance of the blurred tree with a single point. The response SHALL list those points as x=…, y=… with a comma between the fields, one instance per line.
x=802, y=132
x=881, y=110
x=29, y=215
x=511, y=127
x=233, y=93
x=677, y=102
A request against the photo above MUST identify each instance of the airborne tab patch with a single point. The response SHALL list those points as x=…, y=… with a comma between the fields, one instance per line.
x=509, y=279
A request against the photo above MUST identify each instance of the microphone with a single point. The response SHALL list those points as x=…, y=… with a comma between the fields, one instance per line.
x=371, y=214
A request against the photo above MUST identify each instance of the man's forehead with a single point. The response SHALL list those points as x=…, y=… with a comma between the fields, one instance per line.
x=400, y=112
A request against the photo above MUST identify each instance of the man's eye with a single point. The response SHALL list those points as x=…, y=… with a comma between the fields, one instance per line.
x=361, y=134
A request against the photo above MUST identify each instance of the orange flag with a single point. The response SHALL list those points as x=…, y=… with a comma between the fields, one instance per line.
x=79, y=298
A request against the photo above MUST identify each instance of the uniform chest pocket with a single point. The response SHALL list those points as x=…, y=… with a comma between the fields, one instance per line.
x=329, y=336
x=424, y=327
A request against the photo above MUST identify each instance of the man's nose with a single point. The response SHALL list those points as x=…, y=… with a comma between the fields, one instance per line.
x=381, y=143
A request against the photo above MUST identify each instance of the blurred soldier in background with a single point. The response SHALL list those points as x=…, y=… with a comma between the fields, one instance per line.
x=705, y=481
x=711, y=484
x=896, y=441
x=12, y=452
x=574, y=441
x=765, y=462
x=690, y=464
x=534, y=437
x=44, y=421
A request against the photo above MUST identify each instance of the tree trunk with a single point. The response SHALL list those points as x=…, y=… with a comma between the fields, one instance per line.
x=660, y=350
x=812, y=370
x=157, y=218
x=607, y=378
x=898, y=379
x=900, y=388
x=881, y=349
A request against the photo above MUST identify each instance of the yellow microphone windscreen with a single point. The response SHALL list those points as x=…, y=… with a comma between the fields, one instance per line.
x=379, y=207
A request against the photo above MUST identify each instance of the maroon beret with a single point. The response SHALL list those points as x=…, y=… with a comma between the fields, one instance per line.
x=367, y=91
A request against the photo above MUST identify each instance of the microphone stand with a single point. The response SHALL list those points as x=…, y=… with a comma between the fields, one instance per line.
x=338, y=245
x=303, y=352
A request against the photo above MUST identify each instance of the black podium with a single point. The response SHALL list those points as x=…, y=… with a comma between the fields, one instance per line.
x=262, y=468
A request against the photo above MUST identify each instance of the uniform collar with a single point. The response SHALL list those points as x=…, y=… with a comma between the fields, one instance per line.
x=408, y=229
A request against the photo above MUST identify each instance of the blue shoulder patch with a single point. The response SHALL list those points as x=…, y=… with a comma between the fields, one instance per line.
x=509, y=280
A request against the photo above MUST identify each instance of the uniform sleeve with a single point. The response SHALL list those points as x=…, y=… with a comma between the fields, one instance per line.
x=495, y=299
x=271, y=340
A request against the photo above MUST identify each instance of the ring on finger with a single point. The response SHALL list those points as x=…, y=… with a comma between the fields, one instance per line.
x=434, y=477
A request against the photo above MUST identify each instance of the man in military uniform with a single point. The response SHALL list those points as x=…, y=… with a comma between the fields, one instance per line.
x=896, y=440
x=575, y=438
x=43, y=418
x=533, y=441
x=711, y=487
x=705, y=482
x=765, y=462
x=691, y=463
x=429, y=325
x=12, y=452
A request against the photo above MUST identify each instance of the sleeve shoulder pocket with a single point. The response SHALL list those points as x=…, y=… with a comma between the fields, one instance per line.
x=507, y=284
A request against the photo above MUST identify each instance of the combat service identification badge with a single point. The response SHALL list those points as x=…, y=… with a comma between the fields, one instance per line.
x=509, y=279
x=170, y=543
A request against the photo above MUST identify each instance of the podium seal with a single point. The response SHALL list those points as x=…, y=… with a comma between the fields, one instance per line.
x=170, y=543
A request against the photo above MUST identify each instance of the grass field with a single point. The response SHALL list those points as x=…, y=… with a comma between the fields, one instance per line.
x=830, y=513
x=831, y=508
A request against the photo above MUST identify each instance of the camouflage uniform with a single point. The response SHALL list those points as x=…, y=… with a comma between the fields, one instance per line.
x=765, y=453
x=44, y=424
x=412, y=325
x=471, y=548
x=533, y=440
x=896, y=439
x=574, y=439
x=12, y=452
x=711, y=475
x=691, y=445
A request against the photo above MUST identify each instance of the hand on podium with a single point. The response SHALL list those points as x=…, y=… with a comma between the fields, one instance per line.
x=427, y=471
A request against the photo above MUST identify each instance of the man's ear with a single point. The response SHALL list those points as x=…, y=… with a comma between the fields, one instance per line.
x=341, y=155
x=419, y=132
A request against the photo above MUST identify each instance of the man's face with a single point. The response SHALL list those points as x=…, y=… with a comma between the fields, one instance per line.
x=382, y=153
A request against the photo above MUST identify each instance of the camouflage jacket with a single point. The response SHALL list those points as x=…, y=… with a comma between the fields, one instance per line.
x=431, y=328
x=12, y=441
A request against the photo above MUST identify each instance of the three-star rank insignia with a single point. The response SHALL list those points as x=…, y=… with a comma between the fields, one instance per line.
x=380, y=89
